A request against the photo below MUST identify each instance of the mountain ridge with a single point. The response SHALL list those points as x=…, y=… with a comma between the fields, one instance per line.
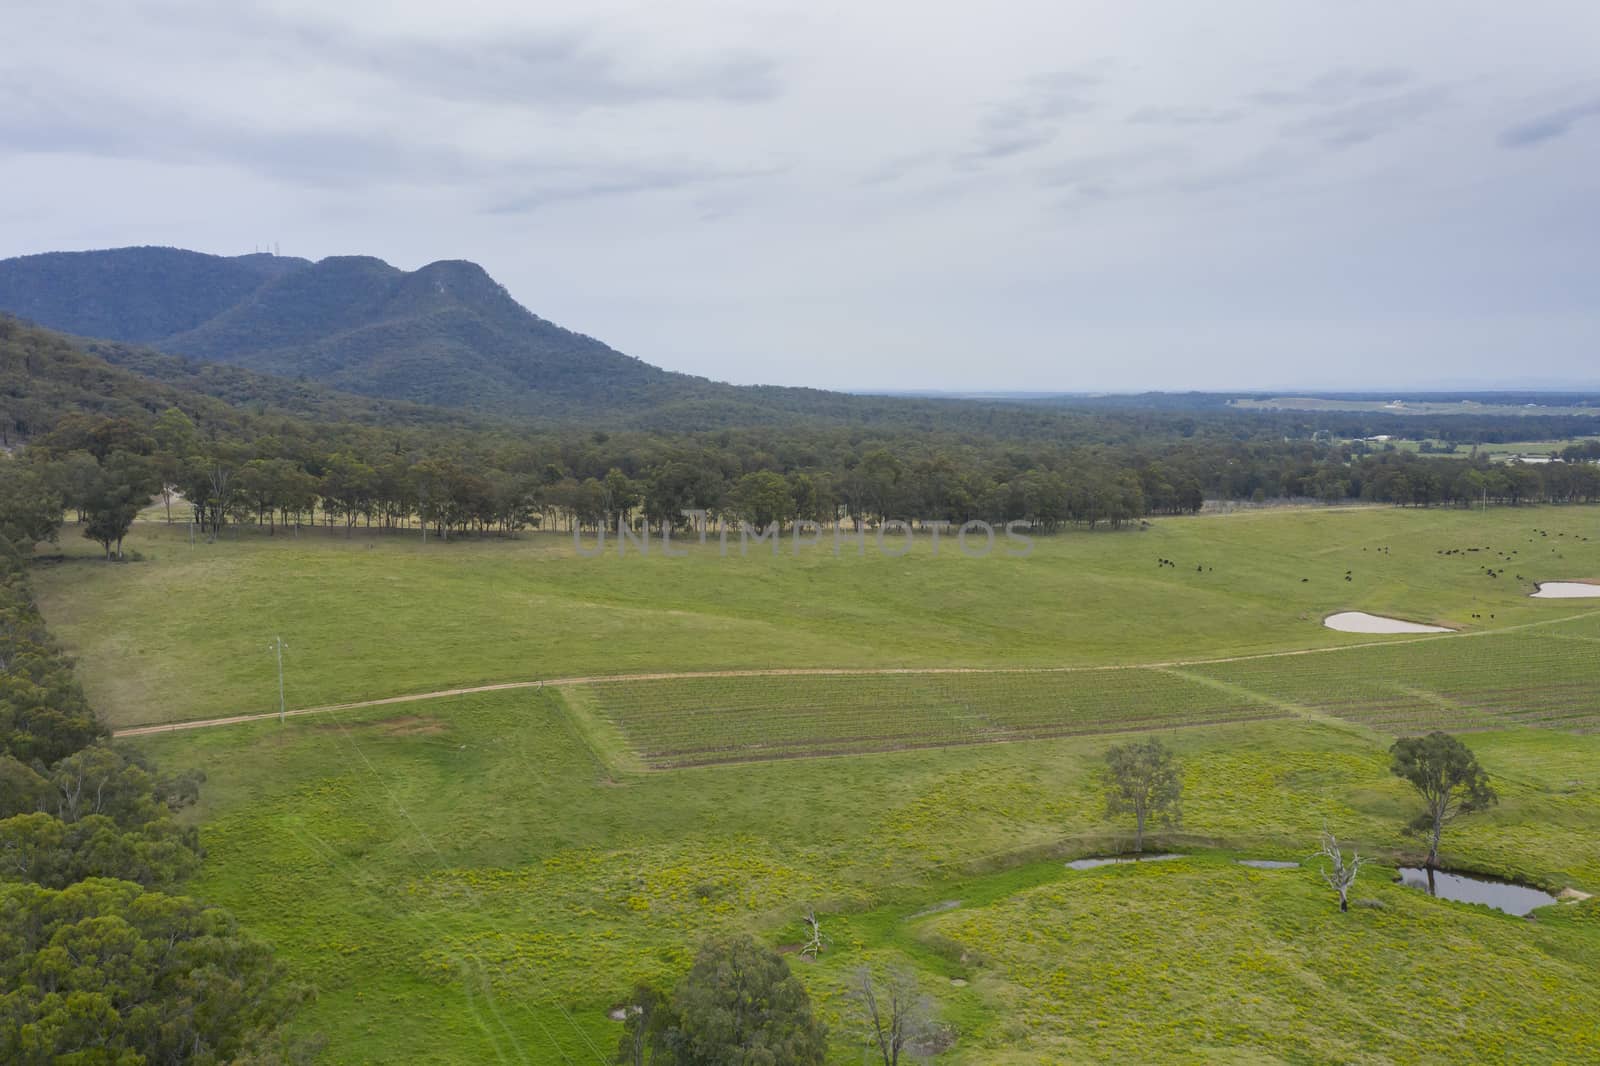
x=446, y=334
x=135, y=294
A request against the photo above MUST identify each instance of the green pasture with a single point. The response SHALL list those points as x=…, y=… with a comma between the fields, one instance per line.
x=1541, y=674
x=473, y=880
x=1409, y=407
x=482, y=878
x=1495, y=450
x=183, y=632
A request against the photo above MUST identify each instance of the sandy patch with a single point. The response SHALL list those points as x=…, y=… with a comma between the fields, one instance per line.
x=1566, y=590
x=1362, y=622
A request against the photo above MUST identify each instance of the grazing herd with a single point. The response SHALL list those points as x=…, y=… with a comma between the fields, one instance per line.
x=1488, y=571
x=1199, y=568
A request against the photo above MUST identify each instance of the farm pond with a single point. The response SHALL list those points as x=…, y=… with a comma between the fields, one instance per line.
x=1117, y=860
x=1463, y=888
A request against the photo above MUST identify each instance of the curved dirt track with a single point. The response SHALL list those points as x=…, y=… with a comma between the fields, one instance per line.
x=504, y=686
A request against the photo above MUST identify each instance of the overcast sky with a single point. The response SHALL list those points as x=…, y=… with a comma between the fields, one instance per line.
x=1004, y=195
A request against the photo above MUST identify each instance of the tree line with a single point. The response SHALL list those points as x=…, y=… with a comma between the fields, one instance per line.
x=1425, y=481
x=243, y=448
x=102, y=960
x=104, y=470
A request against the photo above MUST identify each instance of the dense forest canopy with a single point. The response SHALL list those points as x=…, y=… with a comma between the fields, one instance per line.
x=243, y=447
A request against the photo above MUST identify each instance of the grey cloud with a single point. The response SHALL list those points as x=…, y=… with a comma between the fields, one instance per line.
x=1334, y=87
x=1000, y=142
x=566, y=70
x=892, y=170
x=1026, y=122
x=1075, y=171
x=1252, y=170
x=1359, y=122
x=1549, y=126
x=33, y=120
x=1101, y=177
x=1185, y=116
x=596, y=183
x=1033, y=118
x=1346, y=79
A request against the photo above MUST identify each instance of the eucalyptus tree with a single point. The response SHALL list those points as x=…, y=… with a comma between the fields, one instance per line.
x=741, y=1004
x=1446, y=774
x=1143, y=778
x=125, y=483
x=30, y=506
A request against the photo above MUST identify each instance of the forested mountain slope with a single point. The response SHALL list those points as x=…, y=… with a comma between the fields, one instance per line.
x=138, y=295
x=46, y=376
x=446, y=334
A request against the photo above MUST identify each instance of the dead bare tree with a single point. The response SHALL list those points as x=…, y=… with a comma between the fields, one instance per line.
x=1338, y=872
x=898, y=1015
x=817, y=941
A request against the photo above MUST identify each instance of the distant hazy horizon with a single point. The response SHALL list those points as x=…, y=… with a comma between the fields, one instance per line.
x=1536, y=388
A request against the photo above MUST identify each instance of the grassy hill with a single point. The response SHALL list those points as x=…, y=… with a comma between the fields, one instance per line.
x=464, y=885
x=381, y=615
x=482, y=877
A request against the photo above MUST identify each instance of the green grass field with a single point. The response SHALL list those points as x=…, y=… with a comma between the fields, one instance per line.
x=691, y=722
x=1495, y=450
x=184, y=634
x=481, y=878
x=1539, y=675
x=476, y=884
x=1413, y=407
